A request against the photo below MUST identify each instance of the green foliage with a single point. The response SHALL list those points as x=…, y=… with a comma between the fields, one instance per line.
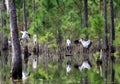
x=95, y=78
x=97, y=25
x=47, y=37
x=117, y=73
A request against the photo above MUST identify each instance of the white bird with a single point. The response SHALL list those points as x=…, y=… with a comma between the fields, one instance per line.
x=68, y=42
x=85, y=43
x=25, y=35
x=9, y=43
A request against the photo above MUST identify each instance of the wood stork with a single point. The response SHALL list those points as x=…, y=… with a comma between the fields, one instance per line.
x=25, y=35
x=25, y=75
x=68, y=44
x=85, y=43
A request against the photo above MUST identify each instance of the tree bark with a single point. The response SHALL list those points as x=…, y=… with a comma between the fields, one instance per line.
x=85, y=51
x=105, y=43
x=16, y=69
x=112, y=38
x=4, y=40
x=4, y=49
x=24, y=17
x=86, y=13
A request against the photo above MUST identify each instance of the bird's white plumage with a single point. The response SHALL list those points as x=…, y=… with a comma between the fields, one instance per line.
x=68, y=42
x=85, y=43
x=25, y=75
x=25, y=35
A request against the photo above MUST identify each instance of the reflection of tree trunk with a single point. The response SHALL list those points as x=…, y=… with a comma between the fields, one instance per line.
x=105, y=43
x=16, y=69
x=112, y=38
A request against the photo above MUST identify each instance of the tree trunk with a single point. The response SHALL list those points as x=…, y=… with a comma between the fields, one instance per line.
x=105, y=43
x=59, y=43
x=4, y=50
x=16, y=70
x=86, y=13
x=24, y=17
x=85, y=51
x=4, y=41
x=112, y=38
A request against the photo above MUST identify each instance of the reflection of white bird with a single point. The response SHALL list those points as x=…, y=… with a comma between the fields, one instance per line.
x=68, y=68
x=85, y=43
x=101, y=54
x=35, y=63
x=101, y=59
x=85, y=65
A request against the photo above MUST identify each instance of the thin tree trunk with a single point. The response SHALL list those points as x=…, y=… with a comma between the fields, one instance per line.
x=24, y=17
x=4, y=50
x=59, y=42
x=86, y=13
x=16, y=69
x=112, y=38
x=4, y=45
x=85, y=51
x=105, y=43
x=4, y=41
